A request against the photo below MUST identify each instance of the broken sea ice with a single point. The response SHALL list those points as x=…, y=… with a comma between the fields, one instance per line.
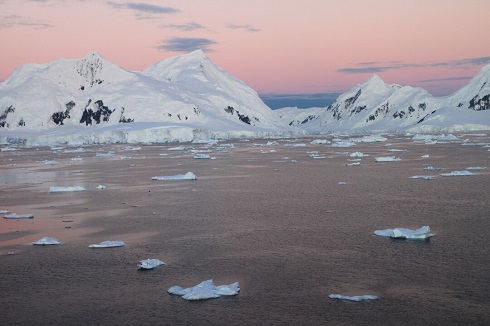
x=150, y=263
x=108, y=244
x=187, y=176
x=205, y=290
x=402, y=233
x=46, y=241
x=356, y=298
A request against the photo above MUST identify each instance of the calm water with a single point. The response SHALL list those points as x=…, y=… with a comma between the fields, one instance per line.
x=287, y=231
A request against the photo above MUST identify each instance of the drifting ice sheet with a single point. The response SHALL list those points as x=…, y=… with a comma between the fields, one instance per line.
x=387, y=159
x=458, y=173
x=66, y=189
x=108, y=244
x=402, y=233
x=205, y=290
x=187, y=176
x=150, y=263
x=355, y=298
x=46, y=241
x=17, y=216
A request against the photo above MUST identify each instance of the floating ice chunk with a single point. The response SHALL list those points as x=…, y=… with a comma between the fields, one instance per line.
x=402, y=233
x=387, y=159
x=320, y=141
x=476, y=168
x=354, y=164
x=342, y=183
x=101, y=187
x=8, y=149
x=66, y=189
x=4, y=211
x=46, y=241
x=46, y=162
x=76, y=159
x=150, y=263
x=358, y=154
x=205, y=290
x=431, y=168
x=178, y=148
x=104, y=154
x=203, y=156
x=356, y=298
x=187, y=176
x=272, y=143
x=129, y=148
x=425, y=156
x=107, y=244
x=397, y=150
x=424, y=177
x=15, y=216
x=343, y=144
x=458, y=173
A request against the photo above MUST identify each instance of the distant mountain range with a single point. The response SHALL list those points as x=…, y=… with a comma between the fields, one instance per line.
x=93, y=100
x=375, y=106
x=189, y=98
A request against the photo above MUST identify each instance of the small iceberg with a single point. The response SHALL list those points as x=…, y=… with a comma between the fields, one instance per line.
x=107, y=244
x=203, y=156
x=343, y=144
x=104, y=154
x=187, y=176
x=358, y=154
x=150, y=263
x=46, y=241
x=458, y=173
x=387, y=159
x=476, y=168
x=423, y=177
x=402, y=233
x=354, y=164
x=46, y=162
x=4, y=211
x=356, y=298
x=101, y=187
x=66, y=189
x=205, y=290
x=15, y=216
x=431, y=168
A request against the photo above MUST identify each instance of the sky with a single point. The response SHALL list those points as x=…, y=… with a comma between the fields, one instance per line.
x=274, y=46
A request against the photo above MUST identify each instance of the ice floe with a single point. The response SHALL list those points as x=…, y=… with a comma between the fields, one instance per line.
x=203, y=156
x=150, y=263
x=402, y=233
x=458, y=173
x=424, y=177
x=104, y=154
x=320, y=141
x=431, y=168
x=425, y=156
x=354, y=164
x=358, y=154
x=4, y=211
x=343, y=144
x=66, y=189
x=387, y=159
x=476, y=168
x=15, y=216
x=187, y=176
x=101, y=187
x=356, y=298
x=108, y=244
x=46, y=241
x=46, y=162
x=205, y=290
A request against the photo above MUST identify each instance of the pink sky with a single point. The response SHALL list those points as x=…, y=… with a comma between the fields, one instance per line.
x=275, y=46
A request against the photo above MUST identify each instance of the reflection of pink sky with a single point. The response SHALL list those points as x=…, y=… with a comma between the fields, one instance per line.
x=299, y=48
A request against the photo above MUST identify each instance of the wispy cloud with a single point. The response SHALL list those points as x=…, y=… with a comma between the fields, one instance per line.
x=377, y=67
x=143, y=11
x=444, y=79
x=186, y=44
x=184, y=27
x=16, y=20
x=245, y=27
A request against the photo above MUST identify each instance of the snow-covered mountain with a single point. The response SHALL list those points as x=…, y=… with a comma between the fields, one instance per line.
x=93, y=100
x=375, y=106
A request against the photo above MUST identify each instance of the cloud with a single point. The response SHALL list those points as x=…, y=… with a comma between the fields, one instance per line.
x=443, y=79
x=184, y=27
x=143, y=7
x=245, y=27
x=186, y=44
x=378, y=67
x=16, y=20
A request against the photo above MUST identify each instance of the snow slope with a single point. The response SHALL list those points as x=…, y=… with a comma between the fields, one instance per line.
x=375, y=106
x=92, y=100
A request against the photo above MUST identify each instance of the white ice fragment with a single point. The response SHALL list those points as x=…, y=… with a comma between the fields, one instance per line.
x=320, y=141
x=46, y=241
x=476, y=168
x=424, y=177
x=203, y=156
x=358, y=154
x=342, y=183
x=46, y=162
x=178, y=148
x=104, y=154
x=425, y=156
x=150, y=263
x=205, y=290
x=402, y=233
x=272, y=143
x=187, y=176
x=356, y=298
x=15, y=216
x=387, y=159
x=4, y=211
x=108, y=244
x=354, y=164
x=431, y=168
x=343, y=144
x=397, y=150
x=458, y=173
x=66, y=189
x=101, y=187
x=76, y=159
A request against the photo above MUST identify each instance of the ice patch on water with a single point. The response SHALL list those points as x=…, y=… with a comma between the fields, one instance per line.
x=356, y=298
x=187, y=176
x=66, y=189
x=203, y=156
x=358, y=154
x=476, y=168
x=15, y=216
x=458, y=173
x=387, y=159
x=101, y=187
x=46, y=241
x=402, y=233
x=150, y=263
x=431, y=168
x=108, y=244
x=205, y=290
x=424, y=177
